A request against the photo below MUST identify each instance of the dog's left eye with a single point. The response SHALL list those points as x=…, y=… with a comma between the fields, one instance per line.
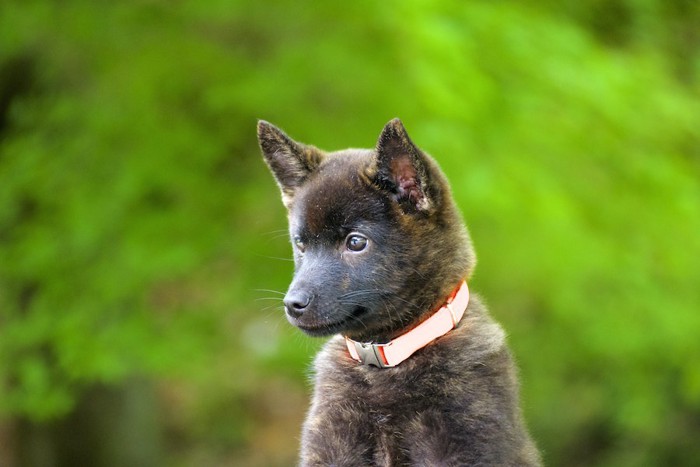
x=356, y=242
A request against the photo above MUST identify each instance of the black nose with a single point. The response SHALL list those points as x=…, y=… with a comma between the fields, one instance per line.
x=296, y=302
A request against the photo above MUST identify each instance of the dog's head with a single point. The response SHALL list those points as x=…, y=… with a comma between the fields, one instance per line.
x=377, y=240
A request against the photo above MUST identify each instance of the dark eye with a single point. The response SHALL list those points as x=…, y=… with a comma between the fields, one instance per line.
x=356, y=242
x=299, y=244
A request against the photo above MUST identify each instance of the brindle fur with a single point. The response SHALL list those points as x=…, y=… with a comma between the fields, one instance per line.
x=452, y=403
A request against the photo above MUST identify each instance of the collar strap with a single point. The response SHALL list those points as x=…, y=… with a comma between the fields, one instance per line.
x=396, y=351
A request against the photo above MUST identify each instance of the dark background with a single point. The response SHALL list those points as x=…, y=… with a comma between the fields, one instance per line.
x=142, y=239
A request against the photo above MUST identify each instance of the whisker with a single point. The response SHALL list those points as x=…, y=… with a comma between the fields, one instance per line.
x=363, y=292
x=355, y=318
x=270, y=291
x=407, y=302
x=349, y=302
x=278, y=236
x=276, y=232
x=272, y=257
x=348, y=314
x=419, y=273
x=271, y=307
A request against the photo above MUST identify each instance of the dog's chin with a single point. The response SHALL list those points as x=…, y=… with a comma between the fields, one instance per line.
x=321, y=328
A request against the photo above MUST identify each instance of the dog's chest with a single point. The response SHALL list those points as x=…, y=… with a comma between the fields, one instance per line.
x=387, y=436
x=392, y=404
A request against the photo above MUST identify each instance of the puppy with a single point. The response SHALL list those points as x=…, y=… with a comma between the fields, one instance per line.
x=416, y=373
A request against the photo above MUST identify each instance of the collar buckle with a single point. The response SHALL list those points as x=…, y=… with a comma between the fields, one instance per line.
x=371, y=354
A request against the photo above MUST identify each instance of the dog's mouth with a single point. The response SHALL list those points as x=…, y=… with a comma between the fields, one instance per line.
x=319, y=329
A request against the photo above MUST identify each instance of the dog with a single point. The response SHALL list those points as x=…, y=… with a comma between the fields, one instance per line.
x=417, y=373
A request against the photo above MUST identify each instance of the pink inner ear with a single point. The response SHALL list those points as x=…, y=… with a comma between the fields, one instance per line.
x=406, y=179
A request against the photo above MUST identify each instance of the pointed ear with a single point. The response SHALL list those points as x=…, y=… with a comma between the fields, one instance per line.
x=402, y=169
x=290, y=162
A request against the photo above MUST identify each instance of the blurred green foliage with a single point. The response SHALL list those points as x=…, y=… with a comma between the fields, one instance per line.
x=139, y=228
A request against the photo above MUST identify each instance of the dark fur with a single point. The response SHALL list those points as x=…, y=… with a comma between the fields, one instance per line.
x=453, y=403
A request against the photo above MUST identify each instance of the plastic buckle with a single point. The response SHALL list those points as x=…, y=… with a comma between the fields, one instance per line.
x=370, y=355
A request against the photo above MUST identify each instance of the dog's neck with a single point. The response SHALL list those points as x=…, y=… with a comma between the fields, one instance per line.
x=400, y=348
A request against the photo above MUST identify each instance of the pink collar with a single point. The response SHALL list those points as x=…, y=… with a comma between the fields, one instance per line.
x=396, y=351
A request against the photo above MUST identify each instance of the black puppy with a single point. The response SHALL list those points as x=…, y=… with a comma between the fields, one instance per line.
x=418, y=373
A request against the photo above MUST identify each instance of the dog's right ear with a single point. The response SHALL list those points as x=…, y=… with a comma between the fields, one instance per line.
x=290, y=162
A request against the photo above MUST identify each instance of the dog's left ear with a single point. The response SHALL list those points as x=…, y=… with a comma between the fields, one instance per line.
x=290, y=162
x=402, y=169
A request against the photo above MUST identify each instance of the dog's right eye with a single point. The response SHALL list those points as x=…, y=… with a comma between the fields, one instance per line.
x=299, y=244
